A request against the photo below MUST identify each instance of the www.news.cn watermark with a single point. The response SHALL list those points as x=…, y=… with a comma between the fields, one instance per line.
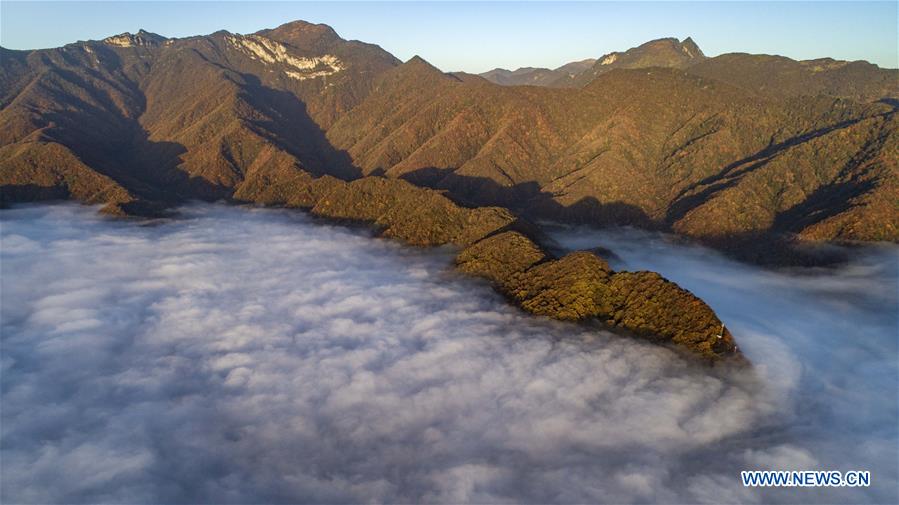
x=811, y=478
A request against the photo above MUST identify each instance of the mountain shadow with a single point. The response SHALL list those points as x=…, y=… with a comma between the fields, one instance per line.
x=824, y=203
x=528, y=199
x=289, y=126
x=772, y=247
x=731, y=174
x=16, y=193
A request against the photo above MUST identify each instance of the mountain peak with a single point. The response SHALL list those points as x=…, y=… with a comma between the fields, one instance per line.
x=142, y=38
x=299, y=26
x=302, y=34
x=418, y=69
x=690, y=47
x=664, y=52
x=419, y=61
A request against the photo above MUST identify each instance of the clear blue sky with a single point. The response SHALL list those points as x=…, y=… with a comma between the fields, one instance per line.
x=475, y=37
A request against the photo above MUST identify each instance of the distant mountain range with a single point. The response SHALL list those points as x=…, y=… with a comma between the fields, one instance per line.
x=737, y=150
x=667, y=53
x=772, y=75
x=530, y=76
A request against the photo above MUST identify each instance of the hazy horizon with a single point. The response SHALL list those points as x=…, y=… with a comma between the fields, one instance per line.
x=479, y=36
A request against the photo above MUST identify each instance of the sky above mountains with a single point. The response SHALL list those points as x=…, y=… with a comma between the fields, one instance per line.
x=478, y=36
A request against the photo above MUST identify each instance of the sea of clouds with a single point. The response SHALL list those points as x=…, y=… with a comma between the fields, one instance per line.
x=245, y=356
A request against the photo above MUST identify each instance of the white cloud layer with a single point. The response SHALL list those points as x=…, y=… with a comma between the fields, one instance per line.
x=251, y=356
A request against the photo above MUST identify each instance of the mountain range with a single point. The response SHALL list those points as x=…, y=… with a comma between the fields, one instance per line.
x=763, y=74
x=754, y=154
x=734, y=150
x=531, y=76
x=668, y=53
